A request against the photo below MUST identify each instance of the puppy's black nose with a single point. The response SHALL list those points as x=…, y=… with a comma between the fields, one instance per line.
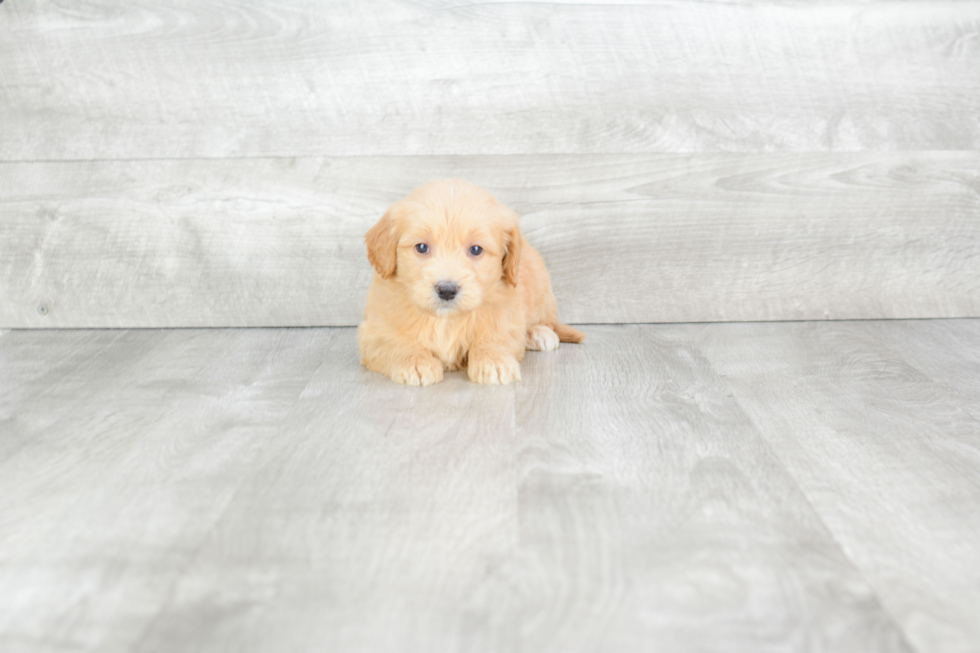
x=447, y=290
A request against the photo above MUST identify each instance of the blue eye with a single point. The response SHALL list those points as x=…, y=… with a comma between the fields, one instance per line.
x=476, y=250
x=422, y=248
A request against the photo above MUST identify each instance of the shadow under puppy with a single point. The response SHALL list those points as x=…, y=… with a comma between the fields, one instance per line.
x=457, y=286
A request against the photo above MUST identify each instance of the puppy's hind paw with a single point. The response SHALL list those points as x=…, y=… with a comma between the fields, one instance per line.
x=419, y=371
x=541, y=338
x=493, y=369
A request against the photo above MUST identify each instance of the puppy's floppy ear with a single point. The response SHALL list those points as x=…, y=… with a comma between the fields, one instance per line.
x=382, y=245
x=512, y=255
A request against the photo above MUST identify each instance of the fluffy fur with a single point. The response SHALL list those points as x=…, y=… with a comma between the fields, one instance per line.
x=503, y=305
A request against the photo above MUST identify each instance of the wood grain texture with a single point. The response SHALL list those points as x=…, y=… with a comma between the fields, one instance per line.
x=257, y=490
x=627, y=238
x=372, y=523
x=878, y=422
x=119, y=452
x=947, y=352
x=98, y=79
x=654, y=517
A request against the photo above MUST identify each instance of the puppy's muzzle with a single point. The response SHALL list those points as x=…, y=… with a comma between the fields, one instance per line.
x=447, y=290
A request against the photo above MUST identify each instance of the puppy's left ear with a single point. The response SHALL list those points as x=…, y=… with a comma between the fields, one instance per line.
x=382, y=246
x=512, y=255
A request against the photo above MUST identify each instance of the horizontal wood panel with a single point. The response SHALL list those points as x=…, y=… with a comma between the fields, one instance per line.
x=99, y=79
x=628, y=238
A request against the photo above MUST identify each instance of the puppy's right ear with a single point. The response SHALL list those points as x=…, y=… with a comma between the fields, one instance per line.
x=382, y=246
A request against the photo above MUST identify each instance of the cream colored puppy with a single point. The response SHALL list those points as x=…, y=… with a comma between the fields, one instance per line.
x=456, y=286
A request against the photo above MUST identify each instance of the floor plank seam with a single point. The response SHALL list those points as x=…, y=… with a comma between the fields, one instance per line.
x=892, y=620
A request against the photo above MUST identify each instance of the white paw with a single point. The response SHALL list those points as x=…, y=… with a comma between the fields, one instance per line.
x=494, y=369
x=418, y=371
x=542, y=338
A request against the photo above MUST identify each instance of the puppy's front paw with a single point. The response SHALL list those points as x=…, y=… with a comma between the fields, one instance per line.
x=418, y=370
x=493, y=368
x=542, y=338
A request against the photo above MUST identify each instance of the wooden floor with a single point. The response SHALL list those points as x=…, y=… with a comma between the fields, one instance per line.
x=809, y=486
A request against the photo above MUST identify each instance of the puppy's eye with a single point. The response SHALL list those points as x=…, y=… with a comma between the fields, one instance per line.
x=422, y=248
x=476, y=250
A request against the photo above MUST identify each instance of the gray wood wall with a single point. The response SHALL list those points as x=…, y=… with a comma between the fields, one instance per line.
x=179, y=163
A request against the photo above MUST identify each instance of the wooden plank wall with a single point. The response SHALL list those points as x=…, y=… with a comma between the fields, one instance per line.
x=178, y=163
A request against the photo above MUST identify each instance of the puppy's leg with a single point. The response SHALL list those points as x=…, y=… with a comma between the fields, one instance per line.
x=401, y=362
x=419, y=368
x=541, y=337
x=492, y=366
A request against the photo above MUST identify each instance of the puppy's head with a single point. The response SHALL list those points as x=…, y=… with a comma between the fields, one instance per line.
x=448, y=244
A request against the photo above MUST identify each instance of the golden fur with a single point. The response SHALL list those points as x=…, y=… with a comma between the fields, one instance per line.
x=503, y=304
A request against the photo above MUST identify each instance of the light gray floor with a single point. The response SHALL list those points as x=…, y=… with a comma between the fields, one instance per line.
x=727, y=487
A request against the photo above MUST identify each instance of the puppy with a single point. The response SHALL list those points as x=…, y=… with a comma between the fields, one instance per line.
x=456, y=286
